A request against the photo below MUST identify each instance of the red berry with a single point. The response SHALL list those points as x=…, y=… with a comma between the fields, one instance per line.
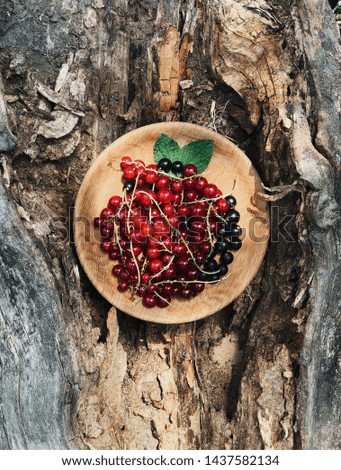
x=198, y=287
x=162, y=182
x=177, y=198
x=200, y=184
x=167, y=242
x=160, y=228
x=166, y=257
x=164, y=301
x=164, y=196
x=125, y=162
x=154, y=212
x=145, y=278
x=210, y=191
x=200, y=257
x=205, y=247
x=223, y=205
x=106, y=246
x=198, y=209
x=190, y=170
x=147, y=230
x=106, y=232
x=185, y=292
x=136, y=250
x=123, y=286
x=152, y=166
x=184, y=210
x=190, y=183
x=153, y=253
x=149, y=301
x=141, y=291
x=174, y=220
x=167, y=288
x=170, y=272
x=114, y=255
x=107, y=213
x=116, y=270
x=190, y=195
x=115, y=202
x=155, y=265
x=177, y=186
x=148, y=198
x=153, y=243
x=130, y=173
x=181, y=264
x=124, y=275
x=150, y=177
x=168, y=209
x=175, y=289
x=191, y=273
x=97, y=222
x=179, y=249
x=151, y=289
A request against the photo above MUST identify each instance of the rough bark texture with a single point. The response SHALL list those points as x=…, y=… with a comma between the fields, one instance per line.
x=263, y=373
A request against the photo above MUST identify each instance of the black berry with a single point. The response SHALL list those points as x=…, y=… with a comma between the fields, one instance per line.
x=128, y=186
x=231, y=200
x=177, y=167
x=222, y=232
x=235, y=244
x=165, y=165
x=214, y=277
x=211, y=265
x=222, y=245
x=203, y=277
x=235, y=231
x=222, y=269
x=226, y=258
x=232, y=216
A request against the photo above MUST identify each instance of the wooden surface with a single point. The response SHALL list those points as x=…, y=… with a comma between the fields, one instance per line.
x=228, y=164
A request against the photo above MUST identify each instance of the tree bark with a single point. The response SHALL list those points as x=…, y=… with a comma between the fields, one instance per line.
x=265, y=371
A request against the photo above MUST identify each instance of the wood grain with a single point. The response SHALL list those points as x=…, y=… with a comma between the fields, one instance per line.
x=228, y=164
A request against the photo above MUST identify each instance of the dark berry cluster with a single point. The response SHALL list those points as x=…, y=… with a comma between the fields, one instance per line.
x=170, y=234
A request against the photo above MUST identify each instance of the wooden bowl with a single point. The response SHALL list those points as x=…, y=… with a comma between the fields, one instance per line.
x=228, y=165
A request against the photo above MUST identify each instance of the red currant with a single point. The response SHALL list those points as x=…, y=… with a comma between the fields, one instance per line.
x=190, y=170
x=162, y=182
x=149, y=301
x=125, y=162
x=129, y=173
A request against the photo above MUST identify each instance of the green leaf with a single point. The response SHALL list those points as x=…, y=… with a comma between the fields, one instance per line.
x=166, y=147
x=199, y=152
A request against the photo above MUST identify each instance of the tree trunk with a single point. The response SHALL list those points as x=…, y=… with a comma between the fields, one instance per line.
x=263, y=373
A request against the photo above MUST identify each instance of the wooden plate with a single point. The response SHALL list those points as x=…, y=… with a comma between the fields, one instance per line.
x=228, y=164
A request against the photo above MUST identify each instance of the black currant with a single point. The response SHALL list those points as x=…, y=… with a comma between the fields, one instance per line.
x=222, y=245
x=235, y=244
x=165, y=165
x=235, y=231
x=210, y=265
x=214, y=277
x=222, y=232
x=232, y=216
x=231, y=200
x=128, y=186
x=226, y=258
x=203, y=277
x=222, y=269
x=177, y=167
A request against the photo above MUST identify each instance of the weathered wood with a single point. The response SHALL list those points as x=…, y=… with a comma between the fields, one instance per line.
x=264, y=73
x=39, y=385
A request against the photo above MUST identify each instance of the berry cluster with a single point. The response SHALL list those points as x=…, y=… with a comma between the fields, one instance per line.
x=171, y=233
